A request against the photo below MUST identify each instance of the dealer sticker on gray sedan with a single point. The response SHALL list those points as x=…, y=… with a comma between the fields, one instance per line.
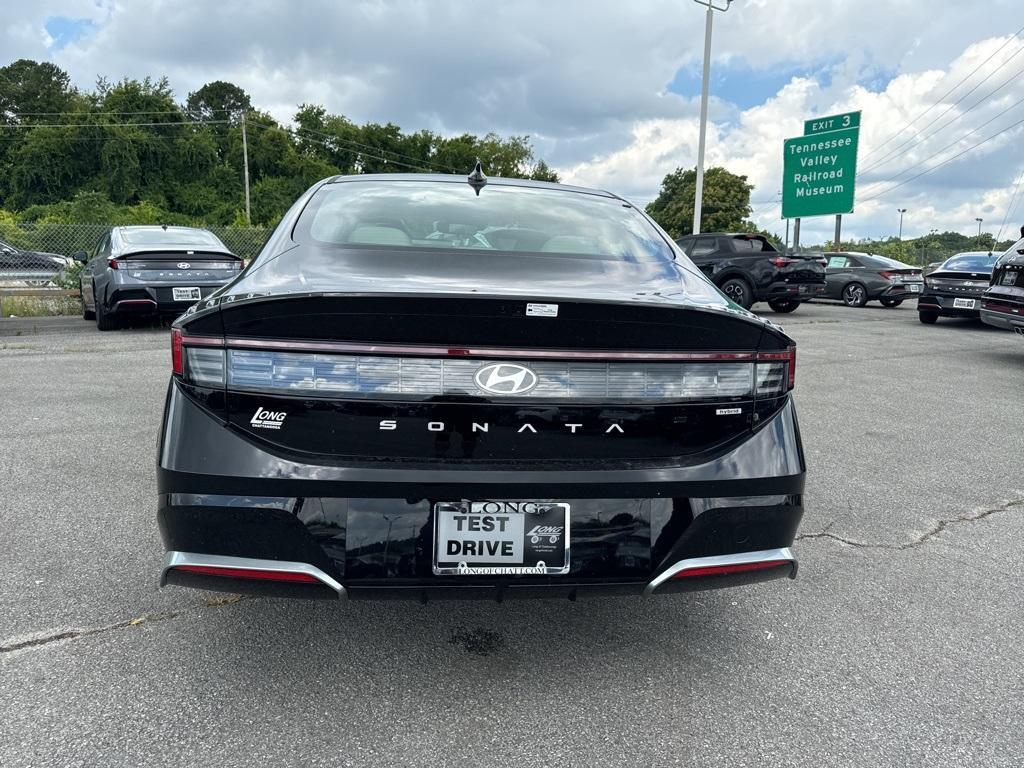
x=501, y=538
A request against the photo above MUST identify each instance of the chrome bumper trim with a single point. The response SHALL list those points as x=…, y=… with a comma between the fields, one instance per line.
x=175, y=558
x=739, y=558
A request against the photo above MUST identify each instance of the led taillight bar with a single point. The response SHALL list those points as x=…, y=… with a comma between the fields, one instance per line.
x=350, y=348
x=725, y=570
x=248, y=573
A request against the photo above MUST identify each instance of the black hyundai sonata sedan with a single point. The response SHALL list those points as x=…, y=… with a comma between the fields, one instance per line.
x=429, y=388
x=955, y=289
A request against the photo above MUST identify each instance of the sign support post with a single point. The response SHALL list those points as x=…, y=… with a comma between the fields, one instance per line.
x=839, y=232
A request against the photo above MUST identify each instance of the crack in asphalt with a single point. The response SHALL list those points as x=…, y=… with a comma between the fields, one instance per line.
x=56, y=636
x=934, y=531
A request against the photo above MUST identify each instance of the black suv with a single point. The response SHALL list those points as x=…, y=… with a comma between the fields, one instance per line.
x=748, y=268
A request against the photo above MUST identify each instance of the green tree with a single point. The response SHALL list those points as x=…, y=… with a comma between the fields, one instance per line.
x=215, y=102
x=541, y=172
x=28, y=87
x=725, y=207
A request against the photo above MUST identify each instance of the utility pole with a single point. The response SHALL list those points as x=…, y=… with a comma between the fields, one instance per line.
x=901, y=211
x=924, y=242
x=705, y=80
x=979, y=230
x=245, y=163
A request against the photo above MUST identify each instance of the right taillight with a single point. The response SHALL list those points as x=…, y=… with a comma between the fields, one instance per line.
x=776, y=372
x=177, y=365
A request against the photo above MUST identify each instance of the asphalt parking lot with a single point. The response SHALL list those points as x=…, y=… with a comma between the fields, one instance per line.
x=901, y=642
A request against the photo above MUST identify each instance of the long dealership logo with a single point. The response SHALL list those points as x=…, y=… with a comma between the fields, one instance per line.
x=505, y=379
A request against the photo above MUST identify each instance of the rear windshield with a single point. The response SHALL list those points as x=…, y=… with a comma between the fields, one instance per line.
x=884, y=261
x=970, y=262
x=750, y=244
x=160, y=236
x=502, y=218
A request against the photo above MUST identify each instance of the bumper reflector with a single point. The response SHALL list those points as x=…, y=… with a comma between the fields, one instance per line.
x=773, y=563
x=722, y=570
x=248, y=573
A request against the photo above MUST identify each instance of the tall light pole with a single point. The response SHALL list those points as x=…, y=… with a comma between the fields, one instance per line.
x=699, y=193
x=901, y=211
x=979, y=229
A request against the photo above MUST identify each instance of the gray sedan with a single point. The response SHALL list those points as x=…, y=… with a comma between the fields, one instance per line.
x=857, y=278
x=152, y=270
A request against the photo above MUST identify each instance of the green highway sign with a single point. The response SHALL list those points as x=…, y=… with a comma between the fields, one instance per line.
x=832, y=123
x=818, y=172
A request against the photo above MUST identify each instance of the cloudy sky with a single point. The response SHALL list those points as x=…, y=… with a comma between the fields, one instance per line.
x=609, y=91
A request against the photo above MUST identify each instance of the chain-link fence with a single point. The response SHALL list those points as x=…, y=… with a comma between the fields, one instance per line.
x=66, y=239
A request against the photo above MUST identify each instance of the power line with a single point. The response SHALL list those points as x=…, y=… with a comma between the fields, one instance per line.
x=324, y=143
x=939, y=100
x=944, y=162
x=83, y=113
x=112, y=125
x=920, y=139
x=948, y=146
x=1009, y=208
x=350, y=142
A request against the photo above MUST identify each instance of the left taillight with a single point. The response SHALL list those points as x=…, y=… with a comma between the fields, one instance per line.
x=112, y=263
x=177, y=364
x=781, y=261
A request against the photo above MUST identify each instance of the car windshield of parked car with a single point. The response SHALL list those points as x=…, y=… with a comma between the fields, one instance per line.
x=884, y=261
x=160, y=236
x=970, y=262
x=502, y=218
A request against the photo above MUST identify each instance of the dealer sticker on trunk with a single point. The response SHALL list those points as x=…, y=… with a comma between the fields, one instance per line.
x=542, y=310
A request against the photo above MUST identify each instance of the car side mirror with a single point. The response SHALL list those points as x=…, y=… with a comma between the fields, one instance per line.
x=81, y=256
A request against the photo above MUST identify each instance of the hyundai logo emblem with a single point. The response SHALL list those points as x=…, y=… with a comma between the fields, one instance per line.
x=505, y=379
x=183, y=265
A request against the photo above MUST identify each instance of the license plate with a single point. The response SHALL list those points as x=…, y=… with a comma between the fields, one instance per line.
x=963, y=303
x=501, y=538
x=186, y=294
x=914, y=288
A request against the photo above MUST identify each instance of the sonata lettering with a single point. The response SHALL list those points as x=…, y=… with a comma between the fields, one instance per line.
x=391, y=425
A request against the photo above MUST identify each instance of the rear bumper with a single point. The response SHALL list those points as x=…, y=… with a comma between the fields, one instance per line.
x=798, y=291
x=369, y=530
x=1008, y=317
x=901, y=292
x=153, y=299
x=943, y=305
